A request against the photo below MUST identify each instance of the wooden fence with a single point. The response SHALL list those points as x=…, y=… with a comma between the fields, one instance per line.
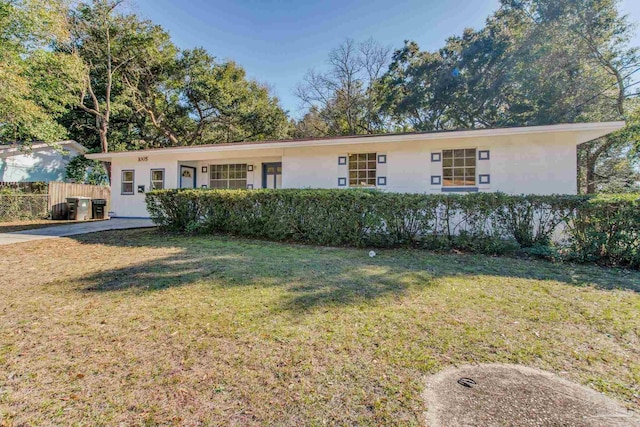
x=59, y=191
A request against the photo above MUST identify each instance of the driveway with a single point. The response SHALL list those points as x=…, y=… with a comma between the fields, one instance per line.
x=73, y=229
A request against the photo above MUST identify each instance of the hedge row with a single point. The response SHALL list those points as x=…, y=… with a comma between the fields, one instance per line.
x=604, y=230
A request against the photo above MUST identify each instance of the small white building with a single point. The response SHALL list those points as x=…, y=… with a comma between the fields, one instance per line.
x=522, y=160
x=38, y=163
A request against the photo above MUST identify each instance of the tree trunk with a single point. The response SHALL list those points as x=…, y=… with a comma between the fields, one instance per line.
x=580, y=168
x=107, y=167
x=594, y=152
x=103, y=131
x=591, y=174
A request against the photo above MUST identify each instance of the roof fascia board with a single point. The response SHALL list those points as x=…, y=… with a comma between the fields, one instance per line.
x=603, y=127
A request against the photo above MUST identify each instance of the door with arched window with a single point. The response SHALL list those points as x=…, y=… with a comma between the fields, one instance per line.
x=187, y=177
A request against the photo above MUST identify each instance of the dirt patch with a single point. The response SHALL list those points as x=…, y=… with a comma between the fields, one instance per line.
x=498, y=395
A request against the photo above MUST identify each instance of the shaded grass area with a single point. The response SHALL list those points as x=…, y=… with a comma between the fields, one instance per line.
x=142, y=328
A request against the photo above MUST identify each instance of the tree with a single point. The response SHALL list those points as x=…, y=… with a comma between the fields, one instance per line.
x=616, y=168
x=617, y=172
x=189, y=98
x=86, y=171
x=108, y=42
x=410, y=90
x=346, y=96
x=115, y=82
x=601, y=37
x=312, y=125
x=35, y=83
x=535, y=62
x=509, y=73
x=141, y=91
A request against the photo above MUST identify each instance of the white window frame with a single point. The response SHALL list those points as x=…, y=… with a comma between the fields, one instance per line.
x=123, y=182
x=226, y=170
x=152, y=187
x=363, y=166
x=469, y=167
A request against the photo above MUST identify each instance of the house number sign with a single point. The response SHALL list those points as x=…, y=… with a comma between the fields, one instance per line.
x=143, y=159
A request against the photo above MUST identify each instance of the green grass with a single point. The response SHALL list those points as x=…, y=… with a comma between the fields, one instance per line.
x=141, y=328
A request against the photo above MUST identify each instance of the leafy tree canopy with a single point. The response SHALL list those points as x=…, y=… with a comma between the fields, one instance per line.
x=141, y=91
x=97, y=73
x=35, y=83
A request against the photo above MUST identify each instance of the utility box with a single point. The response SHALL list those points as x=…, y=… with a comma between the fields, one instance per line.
x=98, y=207
x=78, y=208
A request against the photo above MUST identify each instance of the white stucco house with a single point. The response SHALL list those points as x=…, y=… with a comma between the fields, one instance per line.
x=40, y=162
x=521, y=160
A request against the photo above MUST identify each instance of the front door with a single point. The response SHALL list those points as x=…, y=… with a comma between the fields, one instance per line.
x=187, y=177
x=272, y=175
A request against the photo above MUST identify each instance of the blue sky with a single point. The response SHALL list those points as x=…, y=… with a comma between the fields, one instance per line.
x=278, y=41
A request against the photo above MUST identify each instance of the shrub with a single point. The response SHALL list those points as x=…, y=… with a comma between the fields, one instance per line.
x=86, y=171
x=17, y=205
x=532, y=219
x=605, y=230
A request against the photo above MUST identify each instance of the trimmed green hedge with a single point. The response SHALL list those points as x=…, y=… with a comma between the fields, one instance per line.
x=604, y=230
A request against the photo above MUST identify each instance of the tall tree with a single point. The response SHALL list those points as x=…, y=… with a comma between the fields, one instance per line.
x=534, y=62
x=108, y=41
x=189, y=98
x=501, y=75
x=600, y=36
x=346, y=96
x=142, y=91
x=35, y=83
x=311, y=125
x=465, y=84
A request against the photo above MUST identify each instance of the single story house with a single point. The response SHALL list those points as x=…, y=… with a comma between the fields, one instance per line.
x=39, y=163
x=519, y=160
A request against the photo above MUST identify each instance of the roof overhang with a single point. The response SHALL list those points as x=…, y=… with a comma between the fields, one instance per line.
x=584, y=131
x=35, y=146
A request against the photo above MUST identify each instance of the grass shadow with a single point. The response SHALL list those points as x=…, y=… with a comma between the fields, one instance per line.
x=317, y=276
x=311, y=276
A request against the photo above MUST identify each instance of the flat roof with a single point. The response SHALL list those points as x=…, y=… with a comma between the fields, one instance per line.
x=602, y=128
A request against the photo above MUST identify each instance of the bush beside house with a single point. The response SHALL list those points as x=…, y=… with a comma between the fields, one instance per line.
x=592, y=229
x=17, y=204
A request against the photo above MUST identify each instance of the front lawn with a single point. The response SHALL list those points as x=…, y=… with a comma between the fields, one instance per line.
x=140, y=328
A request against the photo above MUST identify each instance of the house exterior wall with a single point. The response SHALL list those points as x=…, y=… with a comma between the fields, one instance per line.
x=254, y=178
x=42, y=164
x=522, y=164
x=133, y=205
x=543, y=163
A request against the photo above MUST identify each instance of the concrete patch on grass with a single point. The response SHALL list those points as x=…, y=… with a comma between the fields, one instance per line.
x=499, y=395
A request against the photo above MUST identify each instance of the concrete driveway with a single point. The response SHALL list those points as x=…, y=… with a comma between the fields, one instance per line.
x=73, y=229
